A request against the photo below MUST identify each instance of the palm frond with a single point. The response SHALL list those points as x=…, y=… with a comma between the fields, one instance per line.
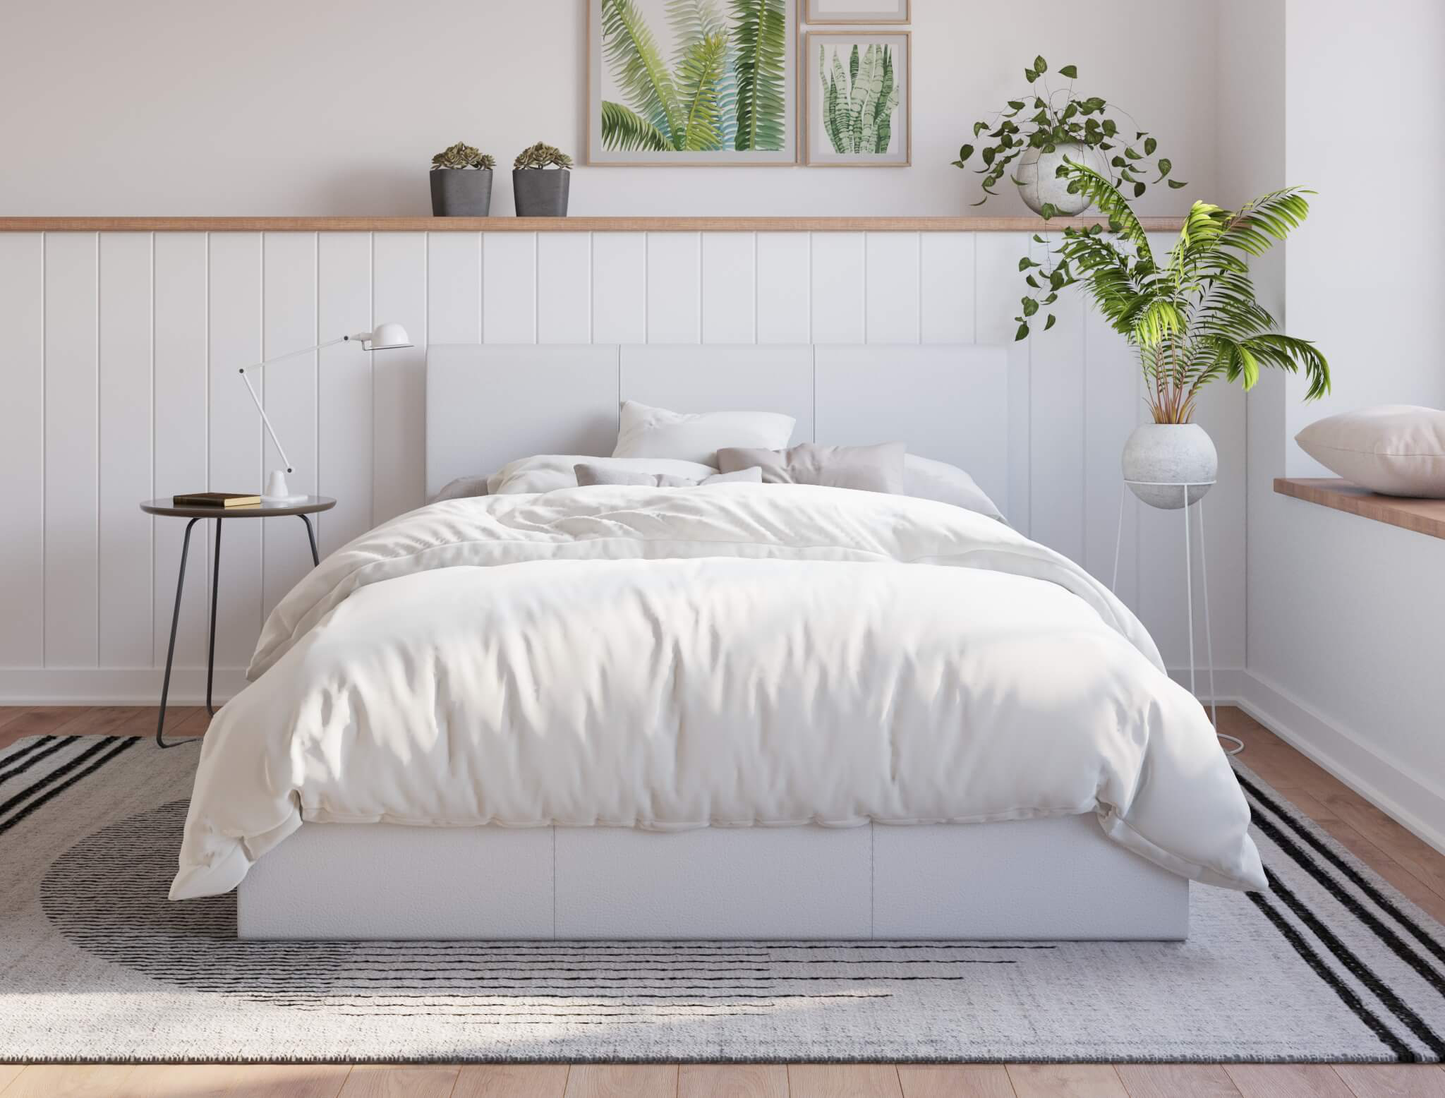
x=1194, y=317
x=638, y=67
x=626, y=130
x=760, y=34
x=1111, y=204
x=699, y=79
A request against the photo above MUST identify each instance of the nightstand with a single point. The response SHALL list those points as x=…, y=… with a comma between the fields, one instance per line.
x=302, y=509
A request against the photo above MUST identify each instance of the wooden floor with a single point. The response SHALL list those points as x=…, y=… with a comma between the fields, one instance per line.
x=1408, y=863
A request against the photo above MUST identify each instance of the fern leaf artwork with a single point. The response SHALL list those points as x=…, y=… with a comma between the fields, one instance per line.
x=859, y=101
x=693, y=77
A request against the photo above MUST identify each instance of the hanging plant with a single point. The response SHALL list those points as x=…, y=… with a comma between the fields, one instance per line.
x=1046, y=118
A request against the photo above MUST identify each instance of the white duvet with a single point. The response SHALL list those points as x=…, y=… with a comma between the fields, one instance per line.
x=737, y=655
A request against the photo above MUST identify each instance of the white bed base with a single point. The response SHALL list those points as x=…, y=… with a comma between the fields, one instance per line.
x=1029, y=879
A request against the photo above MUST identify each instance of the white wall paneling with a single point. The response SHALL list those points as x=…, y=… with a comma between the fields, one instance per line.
x=564, y=288
x=180, y=446
x=22, y=451
x=839, y=288
x=288, y=280
x=785, y=291
x=398, y=295
x=509, y=278
x=729, y=287
x=893, y=271
x=344, y=438
x=946, y=294
x=234, y=339
x=91, y=591
x=124, y=460
x=454, y=288
x=72, y=466
x=674, y=288
x=619, y=287
x=997, y=289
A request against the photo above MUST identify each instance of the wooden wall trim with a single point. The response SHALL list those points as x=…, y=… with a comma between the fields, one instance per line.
x=1424, y=516
x=558, y=224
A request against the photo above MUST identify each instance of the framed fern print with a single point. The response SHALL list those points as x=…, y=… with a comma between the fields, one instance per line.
x=858, y=98
x=692, y=82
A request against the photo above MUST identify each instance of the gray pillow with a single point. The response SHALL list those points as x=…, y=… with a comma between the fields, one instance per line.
x=462, y=488
x=867, y=468
x=590, y=475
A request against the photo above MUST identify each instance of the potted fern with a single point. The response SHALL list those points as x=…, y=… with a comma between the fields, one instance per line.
x=461, y=182
x=1192, y=316
x=539, y=192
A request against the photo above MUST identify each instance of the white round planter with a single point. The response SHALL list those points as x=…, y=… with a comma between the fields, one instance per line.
x=1159, y=456
x=1036, y=174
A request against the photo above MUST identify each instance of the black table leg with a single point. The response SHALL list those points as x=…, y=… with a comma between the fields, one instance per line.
x=215, y=593
x=311, y=536
x=175, y=621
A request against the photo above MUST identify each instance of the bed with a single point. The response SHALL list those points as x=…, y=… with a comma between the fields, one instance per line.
x=737, y=710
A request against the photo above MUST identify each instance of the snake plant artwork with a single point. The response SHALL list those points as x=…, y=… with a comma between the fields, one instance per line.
x=721, y=88
x=858, y=103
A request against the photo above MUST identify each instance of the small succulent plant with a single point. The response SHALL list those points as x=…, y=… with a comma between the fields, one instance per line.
x=462, y=155
x=542, y=156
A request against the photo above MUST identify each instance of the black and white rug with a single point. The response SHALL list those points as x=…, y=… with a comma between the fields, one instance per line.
x=1332, y=964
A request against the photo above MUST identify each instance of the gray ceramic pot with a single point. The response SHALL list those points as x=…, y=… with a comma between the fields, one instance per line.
x=461, y=192
x=1159, y=456
x=541, y=192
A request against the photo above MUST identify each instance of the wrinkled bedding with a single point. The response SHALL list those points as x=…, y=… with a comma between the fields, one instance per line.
x=733, y=655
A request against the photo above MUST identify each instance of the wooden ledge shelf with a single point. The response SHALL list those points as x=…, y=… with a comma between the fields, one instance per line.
x=502, y=224
x=1424, y=516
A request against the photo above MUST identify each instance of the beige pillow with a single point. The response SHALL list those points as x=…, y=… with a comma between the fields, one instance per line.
x=868, y=468
x=1394, y=449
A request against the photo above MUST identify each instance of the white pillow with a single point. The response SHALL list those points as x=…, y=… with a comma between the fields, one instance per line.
x=937, y=480
x=1393, y=449
x=547, y=472
x=647, y=432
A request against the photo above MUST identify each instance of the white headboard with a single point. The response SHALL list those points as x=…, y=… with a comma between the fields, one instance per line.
x=488, y=404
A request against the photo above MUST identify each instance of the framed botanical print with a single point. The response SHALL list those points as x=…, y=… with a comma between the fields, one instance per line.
x=858, y=98
x=682, y=82
x=856, y=11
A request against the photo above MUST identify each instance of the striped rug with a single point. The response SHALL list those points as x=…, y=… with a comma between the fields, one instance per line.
x=1331, y=964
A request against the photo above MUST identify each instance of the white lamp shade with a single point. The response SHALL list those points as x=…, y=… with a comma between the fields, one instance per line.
x=389, y=337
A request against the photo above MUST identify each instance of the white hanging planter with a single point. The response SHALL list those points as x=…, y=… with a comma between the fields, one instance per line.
x=1161, y=457
x=1036, y=173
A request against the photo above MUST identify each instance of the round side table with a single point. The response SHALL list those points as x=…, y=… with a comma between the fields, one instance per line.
x=301, y=508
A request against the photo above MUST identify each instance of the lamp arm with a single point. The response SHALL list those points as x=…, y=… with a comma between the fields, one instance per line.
x=257, y=400
x=267, y=421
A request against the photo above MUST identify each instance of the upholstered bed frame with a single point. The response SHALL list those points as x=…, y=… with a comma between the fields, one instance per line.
x=1051, y=878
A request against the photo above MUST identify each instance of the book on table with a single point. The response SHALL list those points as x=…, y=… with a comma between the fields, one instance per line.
x=216, y=499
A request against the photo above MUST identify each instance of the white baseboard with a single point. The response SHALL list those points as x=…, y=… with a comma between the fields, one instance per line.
x=1228, y=684
x=114, y=686
x=1390, y=785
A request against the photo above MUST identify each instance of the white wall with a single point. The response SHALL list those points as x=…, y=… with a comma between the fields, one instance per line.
x=121, y=385
x=1365, y=100
x=173, y=107
x=1345, y=615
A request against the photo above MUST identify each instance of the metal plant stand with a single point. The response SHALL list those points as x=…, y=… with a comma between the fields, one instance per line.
x=303, y=509
x=1238, y=744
